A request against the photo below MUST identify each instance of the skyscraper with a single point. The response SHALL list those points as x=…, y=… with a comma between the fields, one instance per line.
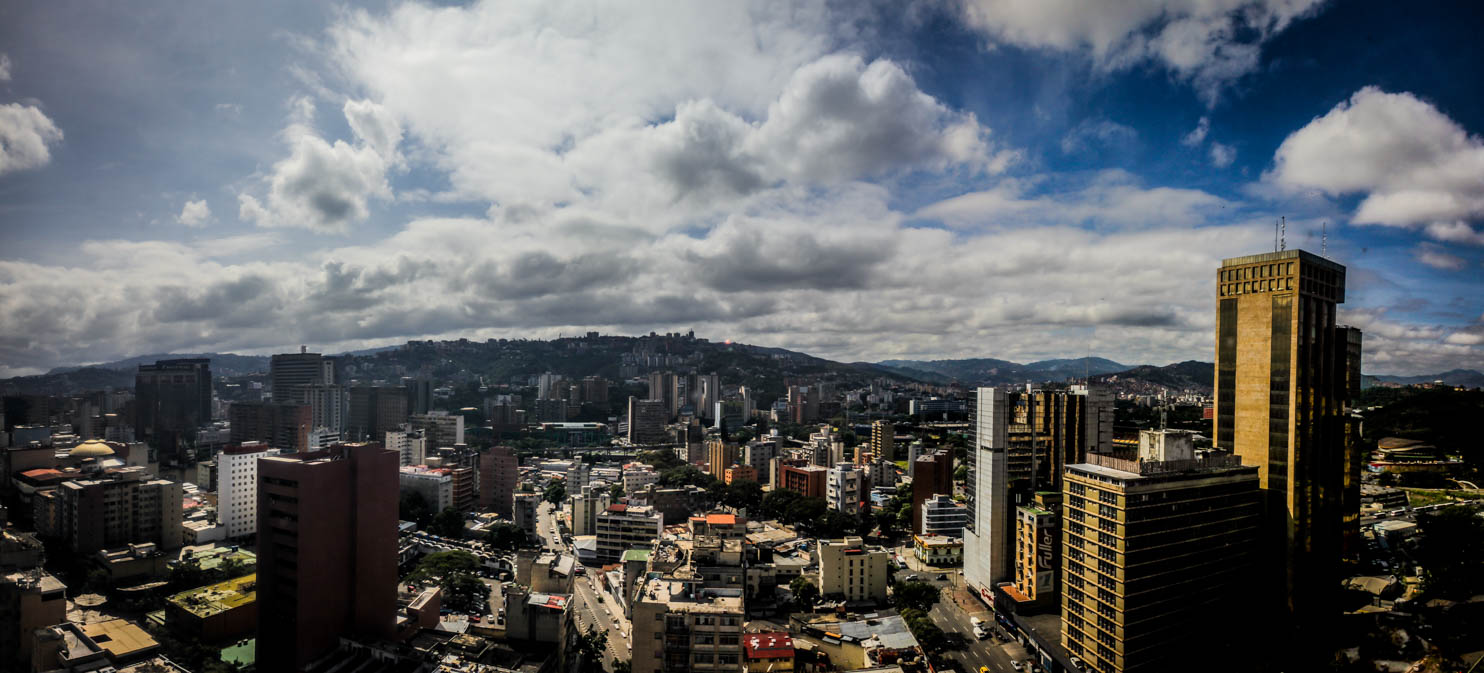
x=327, y=552
x=646, y=421
x=499, y=470
x=237, y=490
x=987, y=540
x=172, y=399
x=375, y=411
x=288, y=371
x=1283, y=381
x=883, y=440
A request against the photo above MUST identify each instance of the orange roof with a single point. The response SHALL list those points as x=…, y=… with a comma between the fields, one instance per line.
x=721, y=519
x=1015, y=593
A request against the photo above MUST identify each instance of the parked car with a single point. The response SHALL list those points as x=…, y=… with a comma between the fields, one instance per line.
x=943, y=576
x=980, y=633
x=911, y=578
x=1076, y=663
x=1017, y=665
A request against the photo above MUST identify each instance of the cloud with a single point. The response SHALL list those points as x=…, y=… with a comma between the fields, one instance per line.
x=194, y=214
x=25, y=134
x=1222, y=155
x=1107, y=199
x=1416, y=167
x=323, y=186
x=4, y=68
x=1209, y=44
x=1197, y=135
x=1094, y=134
x=1434, y=257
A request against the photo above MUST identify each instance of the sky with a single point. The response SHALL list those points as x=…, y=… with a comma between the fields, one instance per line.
x=1017, y=179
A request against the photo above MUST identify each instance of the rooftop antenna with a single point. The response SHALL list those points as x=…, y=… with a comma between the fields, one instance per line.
x=1324, y=238
x=1283, y=239
x=1275, y=237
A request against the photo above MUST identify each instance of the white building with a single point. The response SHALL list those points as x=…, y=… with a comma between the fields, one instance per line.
x=942, y=516
x=434, y=484
x=237, y=488
x=845, y=487
x=638, y=475
x=409, y=442
x=329, y=405
x=624, y=527
x=439, y=427
x=323, y=438
x=585, y=506
x=987, y=538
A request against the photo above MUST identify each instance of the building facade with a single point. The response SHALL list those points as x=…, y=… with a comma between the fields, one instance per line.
x=119, y=506
x=647, y=421
x=850, y=569
x=623, y=527
x=172, y=398
x=932, y=476
x=940, y=515
x=845, y=488
x=237, y=490
x=499, y=472
x=281, y=425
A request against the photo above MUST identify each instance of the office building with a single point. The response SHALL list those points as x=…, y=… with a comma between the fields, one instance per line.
x=638, y=475
x=883, y=440
x=622, y=527
x=720, y=455
x=441, y=428
x=662, y=389
x=1038, y=547
x=987, y=551
x=852, y=571
x=329, y=404
x=940, y=515
x=681, y=626
x=1285, y=372
x=172, y=398
x=806, y=480
x=281, y=425
x=409, y=443
x=119, y=506
x=845, y=487
x=288, y=371
x=327, y=552
x=375, y=411
x=932, y=475
x=499, y=472
x=585, y=504
x=237, y=488
x=419, y=394
x=647, y=421
x=1158, y=558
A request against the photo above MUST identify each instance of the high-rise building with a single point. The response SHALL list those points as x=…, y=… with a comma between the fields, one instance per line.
x=1038, y=546
x=499, y=471
x=119, y=506
x=987, y=551
x=172, y=398
x=441, y=428
x=409, y=443
x=419, y=394
x=647, y=421
x=845, y=487
x=585, y=501
x=546, y=386
x=288, y=371
x=280, y=425
x=375, y=411
x=327, y=552
x=237, y=488
x=708, y=393
x=1285, y=372
x=933, y=476
x=662, y=388
x=329, y=404
x=547, y=411
x=884, y=440
x=720, y=455
x=1158, y=557
x=621, y=527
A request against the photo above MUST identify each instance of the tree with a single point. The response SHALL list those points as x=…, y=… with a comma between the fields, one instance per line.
x=507, y=536
x=805, y=510
x=448, y=523
x=589, y=650
x=928, y=635
x=555, y=492
x=457, y=574
x=744, y=493
x=830, y=523
x=412, y=506
x=622, y=665
x=1449, y=552
x=686, y=475
x=804, y=591
x=660, y=460
x=961, y=473
x=777, y=502
x=615, y=491
x=914, y=596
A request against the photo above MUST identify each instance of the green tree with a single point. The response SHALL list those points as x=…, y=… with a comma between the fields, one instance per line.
x=1449, y=552
x=745, y=493
x=412, y=506
x=805, y=510
x=507, y=536
x=804, y=591
x=448, y=523
x=622, y=665
x=660, y=460
x=457, y=574
x=555, y=492
x=961, y=473
x=589, y=650
x=615, y=491
x=686, y=475
x=777, y=502
x=830, y=523
x=928, y=635
x=914, y=595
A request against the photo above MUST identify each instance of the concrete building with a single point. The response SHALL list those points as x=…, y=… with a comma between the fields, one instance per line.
x=884, y=440
x=585, y=505
x=434, y=484
x=987, y=539
x=327, y=552
x=738, y=473
x=806, y=480
x=940, y=515
x=720, y=455
x=938, y=550
x=526, y=507
x=850, y=569
x=281, y=425
x=638, y=475
x=1038, y=547
x=932, y=474
x=623, y=527
x=1285, y=373
x=329, y=404
x=768, y=652
x=440, y=427
x=409, y=443
x=237, y=492
x=375, y=411
x=547, y=411
x=287, y=372
x=759, y=453
x=499, y=472
x=119, y=506
x=681, y=626
x=219, y=612
x=647, y=421
x=845, y=487
x=172, y=398
x=1157, y=560
x=29, y=600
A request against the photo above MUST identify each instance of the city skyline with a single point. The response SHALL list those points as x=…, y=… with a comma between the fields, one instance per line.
x=968, y=180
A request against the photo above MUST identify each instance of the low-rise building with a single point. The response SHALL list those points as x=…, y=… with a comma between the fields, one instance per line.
x=938, y=550
x=719, y=524
x=851, y=570
x=132, y=564
x=806, y=480
x=435, y=485
x=218, y=612
x=737, y=473
x=638, y=475
x=768, y=652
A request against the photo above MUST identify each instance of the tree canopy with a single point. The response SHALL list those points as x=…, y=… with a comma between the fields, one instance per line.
x=555, y=492
x=457, y=574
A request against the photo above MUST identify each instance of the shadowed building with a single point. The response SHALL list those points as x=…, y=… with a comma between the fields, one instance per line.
x=172, y=398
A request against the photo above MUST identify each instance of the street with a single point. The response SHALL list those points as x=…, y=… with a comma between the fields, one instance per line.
x=953, y=618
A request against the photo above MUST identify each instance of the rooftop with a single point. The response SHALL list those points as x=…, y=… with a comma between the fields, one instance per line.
x=768, y=645
x=211, y=600
x=121, y=637
x=721, y=519
x=691, y=597
x=636, y=555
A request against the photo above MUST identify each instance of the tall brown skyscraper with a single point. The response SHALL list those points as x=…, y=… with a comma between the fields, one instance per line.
x=499, y=470
x=327, y=551
x=1284, y=375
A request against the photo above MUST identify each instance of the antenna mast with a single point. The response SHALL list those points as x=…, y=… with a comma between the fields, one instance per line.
x=1283, y=239
x=1324, y=239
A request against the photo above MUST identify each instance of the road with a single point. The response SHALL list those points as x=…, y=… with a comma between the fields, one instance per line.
x=587, y=610
x=989, y=653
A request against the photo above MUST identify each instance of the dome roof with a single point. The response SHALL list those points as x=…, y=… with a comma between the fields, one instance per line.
x=91, y=449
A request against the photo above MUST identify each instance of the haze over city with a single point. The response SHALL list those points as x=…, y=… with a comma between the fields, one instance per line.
x=858, y=181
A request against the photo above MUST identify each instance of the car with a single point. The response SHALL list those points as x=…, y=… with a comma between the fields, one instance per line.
x=983, y=669
x=475, y=618
x=943, y=576
x=1017, y=665
x=980, y=633
x=977, y=622
x=911, y=578
x=1076, y=663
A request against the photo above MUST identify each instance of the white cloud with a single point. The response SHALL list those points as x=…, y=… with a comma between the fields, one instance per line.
x=1434, y=257
x=1094, y=134
x=1197, y=135
x=1109, y=199
x=1222, y=155
x=324, y=186
x=1208, y=43
x=1416, y=167
x=4, y=68
x=1465, y=338
x=194, y=214
x=25, y=134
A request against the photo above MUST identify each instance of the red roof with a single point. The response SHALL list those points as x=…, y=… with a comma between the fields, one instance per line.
x=618, y=507
x=41, y=473
x=721, y=519
x=768, y=646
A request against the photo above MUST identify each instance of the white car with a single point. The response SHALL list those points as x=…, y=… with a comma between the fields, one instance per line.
x=1017, y=665
x=980, y=633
